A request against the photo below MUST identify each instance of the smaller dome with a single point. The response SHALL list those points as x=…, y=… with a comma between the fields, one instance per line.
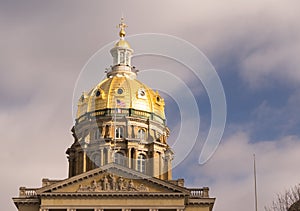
x=122, y=43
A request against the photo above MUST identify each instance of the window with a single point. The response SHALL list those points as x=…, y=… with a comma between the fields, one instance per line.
x=141, y=163
x=112, y=209
x=120, y=91
x=141, y=134
x=119, y=158
x=127, y=58
x=98, y=93
x=167, y=209
x=119, y=132
x=57, y=209
x=139, y=209
x=84, y=209
x=122, y=57
x=105, y=156
x=106, y=131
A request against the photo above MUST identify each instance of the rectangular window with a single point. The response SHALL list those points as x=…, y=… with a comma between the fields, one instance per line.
x=139, y=209
x=167, y=210
x=84, y=209
x=57, y=209
x=113, y=210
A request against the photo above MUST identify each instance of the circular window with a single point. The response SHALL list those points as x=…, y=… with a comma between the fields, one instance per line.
x=98, y=93
x=120, y=91
x=141, y=93
x=157, y=99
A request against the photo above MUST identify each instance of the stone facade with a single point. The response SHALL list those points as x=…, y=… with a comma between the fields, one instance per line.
x=113, y=187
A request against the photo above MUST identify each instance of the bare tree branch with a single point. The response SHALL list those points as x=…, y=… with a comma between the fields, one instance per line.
x=283, y=202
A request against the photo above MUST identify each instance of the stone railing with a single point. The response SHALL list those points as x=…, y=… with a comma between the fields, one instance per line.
x=199, y=192
x=27, y=192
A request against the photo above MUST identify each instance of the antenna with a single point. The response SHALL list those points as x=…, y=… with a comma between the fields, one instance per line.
x=255, y=188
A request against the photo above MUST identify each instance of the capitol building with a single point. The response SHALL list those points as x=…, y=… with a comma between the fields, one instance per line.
x=120, y=159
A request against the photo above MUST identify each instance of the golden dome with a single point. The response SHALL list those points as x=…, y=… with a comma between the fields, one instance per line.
x=123, y=93
x=122, y=43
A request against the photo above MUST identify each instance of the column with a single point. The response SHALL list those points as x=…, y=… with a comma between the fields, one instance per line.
x=156, y=164
x=135, y=158
x=160, y=166
x=84, y=160
x=109, y=156
x=129, y=158
x=101, y=157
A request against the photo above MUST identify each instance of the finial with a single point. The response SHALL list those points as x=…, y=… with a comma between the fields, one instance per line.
x=122, y=27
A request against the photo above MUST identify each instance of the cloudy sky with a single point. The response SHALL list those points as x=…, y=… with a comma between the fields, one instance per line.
x=253, y=45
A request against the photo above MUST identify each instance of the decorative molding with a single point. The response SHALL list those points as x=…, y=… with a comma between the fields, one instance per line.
x=110, y=182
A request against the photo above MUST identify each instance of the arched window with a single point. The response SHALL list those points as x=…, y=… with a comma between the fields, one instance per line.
x=106, y=131
x=105, y=156
x=119, y=132
x=141, y=163
x=119, y=158
x=122, y=57
x=141, y=134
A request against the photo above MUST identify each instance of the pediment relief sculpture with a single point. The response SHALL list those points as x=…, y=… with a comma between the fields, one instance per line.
x=111, y=182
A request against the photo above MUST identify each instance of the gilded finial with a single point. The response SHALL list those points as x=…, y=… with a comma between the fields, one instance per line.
x=122, y=27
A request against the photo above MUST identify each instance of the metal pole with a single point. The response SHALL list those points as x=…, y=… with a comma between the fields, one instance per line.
x=255, y=188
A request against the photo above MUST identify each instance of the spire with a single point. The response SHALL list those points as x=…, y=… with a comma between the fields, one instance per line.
x=121, y=53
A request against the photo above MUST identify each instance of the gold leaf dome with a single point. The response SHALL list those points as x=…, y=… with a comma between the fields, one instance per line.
x=123, y=93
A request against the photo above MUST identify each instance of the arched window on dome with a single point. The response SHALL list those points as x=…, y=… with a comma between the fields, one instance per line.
x=141, y=134
x=119, y=132
x=122, y=57
x=127, y=58
x=141, y=163
x=119, y=158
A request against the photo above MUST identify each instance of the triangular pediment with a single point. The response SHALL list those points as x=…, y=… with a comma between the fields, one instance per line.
x=113, y=178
